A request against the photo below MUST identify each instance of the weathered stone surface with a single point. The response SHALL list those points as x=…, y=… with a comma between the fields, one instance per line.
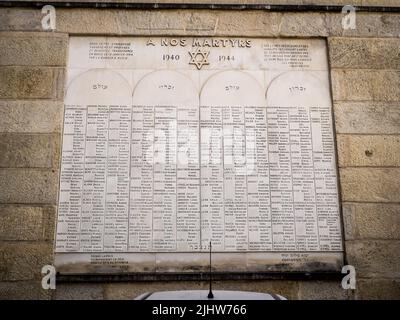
x=195, y=22
x=368, y=150
x=175, y=22
x=144, y=22
x=253, y=23
x=374, y=258
x=364, y=53
x=373, y=289
x=30, y=49
x=78, y=291
x=368, y=24
x=75, y=21
x=370, y=184
x=322, y=290
x=28, y=186
x=21, y=222
x=14, y=19
x=388, y=3
x=303, y=25
x=24, y=261
x=31, y=82
x=31, y=116
x=27, y=150
x=24, y=290
x=288, y=289
x=178, y=22
x=356, y=85
x=131, y=22
x=49, y=222
x=367, y=117
x=371, y=221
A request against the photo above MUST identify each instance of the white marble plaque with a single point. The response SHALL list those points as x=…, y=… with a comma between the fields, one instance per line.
x=172, y=143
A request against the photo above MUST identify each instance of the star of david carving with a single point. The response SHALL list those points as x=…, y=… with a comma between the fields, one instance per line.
x=199, y=58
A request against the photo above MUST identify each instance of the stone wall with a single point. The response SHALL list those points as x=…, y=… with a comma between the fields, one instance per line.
x=365, y=77
x=392, y=3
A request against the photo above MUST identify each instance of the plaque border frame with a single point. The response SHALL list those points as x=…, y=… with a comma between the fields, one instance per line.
x=333, y=274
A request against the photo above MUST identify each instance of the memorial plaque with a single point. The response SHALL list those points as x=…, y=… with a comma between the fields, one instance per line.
x=172, y=143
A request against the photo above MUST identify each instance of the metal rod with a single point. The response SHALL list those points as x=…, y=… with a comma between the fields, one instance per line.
x=210, y=294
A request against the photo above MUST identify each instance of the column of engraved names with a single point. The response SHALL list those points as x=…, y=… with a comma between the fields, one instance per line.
x=188, y=179
x=117, y=192
x=165, y=178
x=212, y=177
x=94, y=186
x=281, y=184
x=325, y=179
x=71, y=179
x=304, y=204
x=258, y=190
x=303, y=181
x=104, y=219
x=235, y=179
x=141, y=177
